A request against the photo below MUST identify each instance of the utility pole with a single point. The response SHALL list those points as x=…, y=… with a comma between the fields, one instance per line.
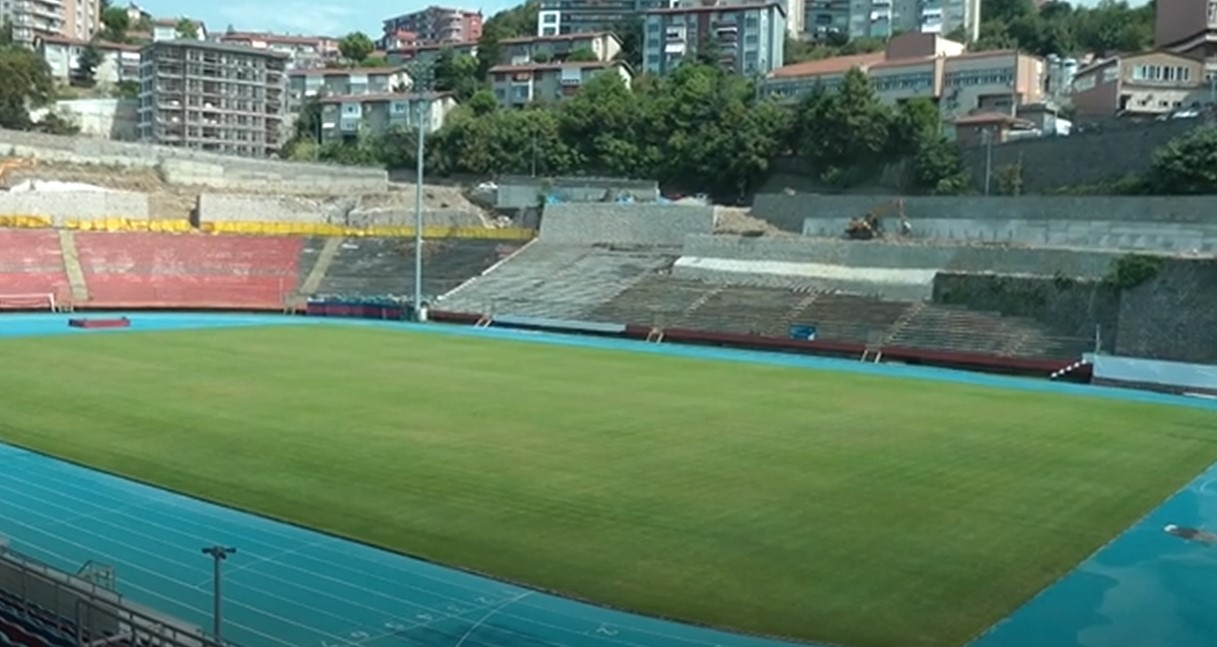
x=987, y=133
x=218, y=554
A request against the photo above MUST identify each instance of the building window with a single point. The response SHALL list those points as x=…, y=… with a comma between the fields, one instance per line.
x=550, y=18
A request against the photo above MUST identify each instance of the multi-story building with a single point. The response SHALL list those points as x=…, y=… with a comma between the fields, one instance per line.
x=344, y=118
x=167, y=29
x=558, y=17
x=359, y=81
x=31, y=19
x=750, y=37
x=1188, y=27
x=517, y=86
x=824, y=19
x=119, y=62
x=302, y=51
x=424, y=55
x=927, y=66
x=1146, y=84
x=434, y=25
x=212, y=97
x=543, y=49
x=885, y=18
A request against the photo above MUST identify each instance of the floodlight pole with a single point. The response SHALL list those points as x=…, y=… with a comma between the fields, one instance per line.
x=218, y=554
x=421, y=83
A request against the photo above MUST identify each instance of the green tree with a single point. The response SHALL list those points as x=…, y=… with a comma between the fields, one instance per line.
x=630, y=31
x=115, y=23
x=187, y=29
x=1186, y=166
x=843, y=135
x=86, y=65
x=937, y=168
x=511, y=23
x=604, y=124
x=27, y=84
x=306, y=132
x=456, y=73
x=355, y=47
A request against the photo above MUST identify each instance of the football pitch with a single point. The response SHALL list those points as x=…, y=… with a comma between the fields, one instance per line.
x=851, y=509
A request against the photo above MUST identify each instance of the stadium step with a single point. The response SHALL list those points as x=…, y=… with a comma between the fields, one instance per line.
x=324, y=259
x=71, y=266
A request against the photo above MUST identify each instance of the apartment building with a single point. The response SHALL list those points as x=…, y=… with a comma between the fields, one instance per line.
x=212, y=97
x=885, y=18
x=325, y=82
x=927, y=66
x=302, y=51
x=604, y=46
x=517, y=86
x=1146, y=84
x=558, y=17
x=436, y=25
x=751, y=37
x=427, y=54
x=1188, y=27
x=167, y=29
x=823, y=19
x=32, y=19
x=120, y=62
x=345, y=118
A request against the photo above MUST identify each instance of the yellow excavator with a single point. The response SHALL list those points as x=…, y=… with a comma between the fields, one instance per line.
x=870, y=226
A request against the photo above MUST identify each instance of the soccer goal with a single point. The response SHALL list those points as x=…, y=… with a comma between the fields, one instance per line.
x=44, y=301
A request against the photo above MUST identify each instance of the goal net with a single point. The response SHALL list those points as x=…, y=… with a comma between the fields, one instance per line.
x=44, y=301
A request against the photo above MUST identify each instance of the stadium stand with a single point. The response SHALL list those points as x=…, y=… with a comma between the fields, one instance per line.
x=373, y=267
x=558, y=280
x=959, y=329
x=31, y=263
x=184, y=270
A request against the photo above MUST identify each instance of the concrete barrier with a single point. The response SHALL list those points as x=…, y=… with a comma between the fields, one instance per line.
x=624, y=224
x=60, y=206
x=195, y=168
x=338, y=211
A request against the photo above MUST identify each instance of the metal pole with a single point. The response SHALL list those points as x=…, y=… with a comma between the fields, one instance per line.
x=534, y=154
x=418, y=213
x=218, y=554
x=988, y=133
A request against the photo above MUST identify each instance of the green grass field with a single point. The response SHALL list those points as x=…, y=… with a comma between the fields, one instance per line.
x=858, y=510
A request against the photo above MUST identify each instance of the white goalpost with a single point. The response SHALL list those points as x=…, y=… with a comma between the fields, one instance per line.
x=38, y=301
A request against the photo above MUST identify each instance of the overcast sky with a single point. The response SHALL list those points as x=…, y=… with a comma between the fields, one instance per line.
x=329, y=17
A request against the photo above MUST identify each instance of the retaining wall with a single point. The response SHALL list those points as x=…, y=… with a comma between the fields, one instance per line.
x=624, y=224
x=829, y=214
x=1173, y=316
x=340, y=211
x=183, y=166
x=61, y=206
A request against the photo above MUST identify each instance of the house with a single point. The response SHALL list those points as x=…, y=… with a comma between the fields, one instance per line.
x=119, y=62
x=346, y=117
x=305, y=83
x=989, y=128
x=167, y=29
x=435, y=25
x=427, y=54
x=603, y=46
x=927, y=66
x=517, y=86
x=1150, y=83
x=302, y=51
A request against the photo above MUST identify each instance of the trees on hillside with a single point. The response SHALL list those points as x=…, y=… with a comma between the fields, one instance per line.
x=355, y=47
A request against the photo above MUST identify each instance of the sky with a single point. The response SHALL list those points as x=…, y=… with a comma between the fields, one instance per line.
x=316, y=17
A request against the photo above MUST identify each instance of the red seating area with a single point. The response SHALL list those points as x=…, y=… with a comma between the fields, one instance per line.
x=31, y=263
x=184, y=270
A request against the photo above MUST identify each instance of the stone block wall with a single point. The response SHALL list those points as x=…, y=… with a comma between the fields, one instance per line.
x=82, y=205
x=623, y=224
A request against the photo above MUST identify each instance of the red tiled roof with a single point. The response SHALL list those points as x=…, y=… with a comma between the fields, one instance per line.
x=273, y=38
x=982, y=118
x=341, y=71
x=64, y=40
x=536, y=67
x=383, y=96
x=826, y=66
x=903, y=62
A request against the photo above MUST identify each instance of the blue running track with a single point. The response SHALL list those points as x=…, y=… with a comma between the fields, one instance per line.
x=291, y=586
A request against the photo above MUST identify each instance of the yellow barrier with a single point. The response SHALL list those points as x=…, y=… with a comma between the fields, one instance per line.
x=248, y=228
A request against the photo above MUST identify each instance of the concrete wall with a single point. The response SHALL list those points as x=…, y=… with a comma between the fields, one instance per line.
x=1089, y=156
x=623, y=224
x=343, y=211
x=81, y=205
x=186, y=167
x=522, y=192
x=1174, y=316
